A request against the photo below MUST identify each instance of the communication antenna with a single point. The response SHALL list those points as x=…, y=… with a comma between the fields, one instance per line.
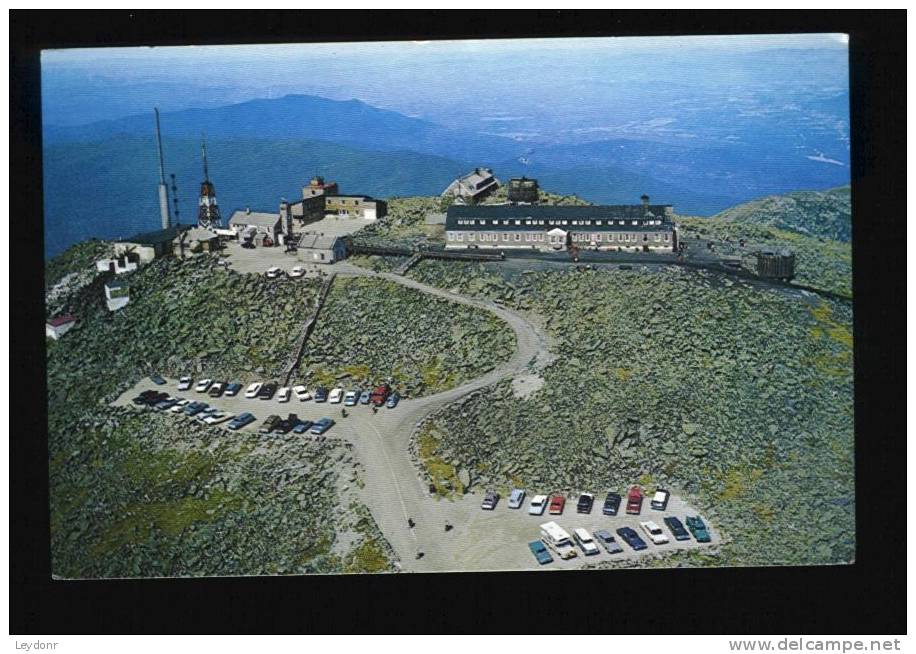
x=175, y=198
x=164, y=215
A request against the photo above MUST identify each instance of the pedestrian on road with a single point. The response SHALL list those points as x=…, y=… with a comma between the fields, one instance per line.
x=448, y=527
x=419, y=555
x=343, y=413
x=410, y=522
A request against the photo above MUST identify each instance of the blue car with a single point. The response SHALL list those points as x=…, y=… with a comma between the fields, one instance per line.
x=303, y=426
x=321, y=394
x=157, y=379
x=232, y=389
x=195, y=407
x=241, y=420
x=393, y=400
x=364, y=397
x=321, y=426
x=631, y=538
x=540, y=552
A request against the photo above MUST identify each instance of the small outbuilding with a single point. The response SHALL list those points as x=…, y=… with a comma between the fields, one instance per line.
x=117, y=295
x=318, y=248
x=60, y=325
x=148, y=246
x=474, y=186
x=260, y=224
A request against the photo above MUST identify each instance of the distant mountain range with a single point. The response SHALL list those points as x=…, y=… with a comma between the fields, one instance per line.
x=100, y=179
x=826, y=214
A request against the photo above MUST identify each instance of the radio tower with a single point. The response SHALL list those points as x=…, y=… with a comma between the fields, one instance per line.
x=208, y=213
x=164, y=214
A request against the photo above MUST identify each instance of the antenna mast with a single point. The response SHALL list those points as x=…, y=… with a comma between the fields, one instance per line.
x=164, y=210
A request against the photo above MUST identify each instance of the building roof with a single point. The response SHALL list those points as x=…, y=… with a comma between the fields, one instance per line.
x=596, y=218
x=313, y=241
x=475, y=182
x=201, y=234
x=366, y=198
x=114, y=283
x=62, y=320
x=257, y=218
x=156, y=237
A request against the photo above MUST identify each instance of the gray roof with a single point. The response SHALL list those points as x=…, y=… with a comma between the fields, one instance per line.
x=313, y=241
x=257, y=218
x=156, y=237
x=595, y=218
x=201, y=234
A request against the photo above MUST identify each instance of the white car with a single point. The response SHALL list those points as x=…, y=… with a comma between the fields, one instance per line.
x=284, y=394
x=273, y=272
x=253, y=389
x=179, y=406
x=538, y=505
x=336, y=396
x=185, y=383
x=585, y=541
x=302, y=393
x=654, y=532
x=516, y=498
x=298, y=271
x=217, y=418
x=203, y=385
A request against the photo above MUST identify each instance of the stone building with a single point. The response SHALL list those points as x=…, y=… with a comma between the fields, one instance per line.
x=318, y=248
x=474, y=186
x=355, y=206
x=255, y=226
x=642, y=226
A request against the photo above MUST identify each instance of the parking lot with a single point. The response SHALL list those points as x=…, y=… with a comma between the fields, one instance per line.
x=394, y=491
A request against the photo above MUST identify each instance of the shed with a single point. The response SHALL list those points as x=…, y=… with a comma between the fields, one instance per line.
x=117, y=295
x=318, y=248
x=148, y=246
x=60, y=325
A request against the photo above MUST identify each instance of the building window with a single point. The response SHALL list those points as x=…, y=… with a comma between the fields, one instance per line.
x=460, y=236
x=666, y=237
x=518, y=237
x=451, y=236
x=471, y=236
x=505, y=236
x=658, y=237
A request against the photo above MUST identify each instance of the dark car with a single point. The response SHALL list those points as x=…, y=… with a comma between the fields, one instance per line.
x=157, y=379
x=540, y=552
x=241, y=420
x=660, y=499
x=321, y=426
x=303, y=426
x=167, y=403
x=490, y=500
x=267, y=391
x=611, y=504
x=217, y=389
x=677, y=529
x=698, y=528
x=585, y=502
x=283, y=426
x=232, y=389
x=195, y=407
x=392, y=400
x=268, y=425
x=147, y=396
x=321, y=394
x=609, y=543
x=631, y=538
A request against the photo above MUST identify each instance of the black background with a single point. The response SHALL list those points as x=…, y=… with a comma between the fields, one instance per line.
x=866, y=597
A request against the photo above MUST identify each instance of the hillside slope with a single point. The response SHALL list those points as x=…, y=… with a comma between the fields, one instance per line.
x=826, y=214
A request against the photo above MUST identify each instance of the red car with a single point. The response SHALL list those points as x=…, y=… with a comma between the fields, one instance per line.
x=380, y=394
x=634, y=500
x=557, y=503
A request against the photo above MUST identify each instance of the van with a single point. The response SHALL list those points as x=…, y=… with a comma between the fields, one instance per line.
x=557, y=539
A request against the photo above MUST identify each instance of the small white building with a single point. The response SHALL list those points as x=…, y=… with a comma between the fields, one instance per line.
x=117, y=295
x=57, y=327
x=318, y=248
x=260, y=224
x=119, y=265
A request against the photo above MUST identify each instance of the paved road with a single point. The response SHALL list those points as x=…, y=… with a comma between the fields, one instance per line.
x=394, y=491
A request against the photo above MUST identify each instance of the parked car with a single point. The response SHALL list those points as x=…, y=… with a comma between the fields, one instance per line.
x=351, y=398
x=516, y=498
x=336, y=396
x=380, y=394
x=698, y=528
x=585, y=502
x=145, y=397
x=321, y=394
x=297, y=272
x=185, y=383
x=218, y=418
x=660, y=499
x=321, y=426
x=253, y=390
x=203, y=385
x=157, y=379
x=273, y=272
x=206, y=413
x=217, y=389
x=654, y=532
x=303, y=426
x=241, y=420
x=557, y=539
x=285, y=393
x=302, y=393
x=267, y=391
x=392, y=400
x=631, y=538
x=179, y=406
x=268, y=425
x=607, y=541
x=540, y=552
x=634, y=500
x=194, y=408
x=611, y=504
x=585, y=541
x=676, y=528
x=490, y=500
x=557, y=504
x=538, y=504
x=232, y=389
x=364, y=397
x=284, y=426
x=165, y=403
